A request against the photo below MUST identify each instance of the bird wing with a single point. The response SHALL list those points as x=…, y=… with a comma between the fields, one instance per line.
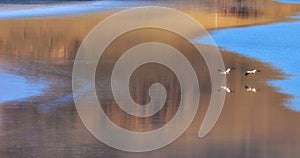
x=228, y=70
x=228, y=90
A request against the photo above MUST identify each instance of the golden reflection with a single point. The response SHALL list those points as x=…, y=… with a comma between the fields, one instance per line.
x=59, y=37
x=251, y=124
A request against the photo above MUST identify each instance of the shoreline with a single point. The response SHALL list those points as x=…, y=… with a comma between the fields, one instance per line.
x=250, y=125
x=272, y=46
x=94, y=17
x=35, y=71
x=247, y=118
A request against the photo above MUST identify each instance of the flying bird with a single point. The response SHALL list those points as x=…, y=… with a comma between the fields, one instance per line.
x=250, y=89
x=226, y=72
x=251, y=72
x=226, y=89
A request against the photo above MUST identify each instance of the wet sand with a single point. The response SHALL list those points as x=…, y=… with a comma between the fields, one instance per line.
x=251, y=124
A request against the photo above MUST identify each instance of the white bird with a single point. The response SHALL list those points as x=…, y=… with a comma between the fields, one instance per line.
x=226, y=72
x=226, y=89
x=251, y=72
x=250, y=89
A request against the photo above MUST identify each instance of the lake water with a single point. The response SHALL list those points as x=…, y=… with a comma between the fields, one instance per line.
x=251, y=124
x=52, y=127
x=277, y=44
x=18, y=10
x=290, y=1
x=38, y=10
x=15, y=87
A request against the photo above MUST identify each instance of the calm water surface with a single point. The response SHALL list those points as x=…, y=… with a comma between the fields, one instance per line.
x=251, y=125
x=276, y=44
x=290, y=1
x=39, y=10
x=15, y=87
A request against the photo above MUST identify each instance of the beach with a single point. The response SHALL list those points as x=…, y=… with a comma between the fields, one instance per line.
x=48, y=125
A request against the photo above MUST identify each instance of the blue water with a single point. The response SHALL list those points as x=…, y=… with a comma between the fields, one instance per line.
x=289, y=1
x=40, y=10
x=277, y=44
x=15, y=87
x=38, y=1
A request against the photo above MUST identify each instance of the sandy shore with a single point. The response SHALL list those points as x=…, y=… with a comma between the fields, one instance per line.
x=251, y=124
x=63, y=35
